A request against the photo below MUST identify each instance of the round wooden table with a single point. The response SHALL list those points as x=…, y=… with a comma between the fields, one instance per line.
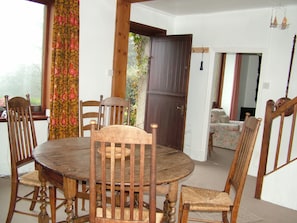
x=64, y=162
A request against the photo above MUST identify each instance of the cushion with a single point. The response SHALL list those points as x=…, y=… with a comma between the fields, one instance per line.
x=224, y=119
x=227, y=127
x=31, y=178
x=206, y=199
x=216, y=113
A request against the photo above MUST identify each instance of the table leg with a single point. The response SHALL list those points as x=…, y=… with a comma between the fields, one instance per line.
x=43, y=215
x=165, y=210
x=70, y=190
x=172, y=199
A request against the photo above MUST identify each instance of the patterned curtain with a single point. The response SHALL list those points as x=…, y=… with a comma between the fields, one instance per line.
x=64, y=71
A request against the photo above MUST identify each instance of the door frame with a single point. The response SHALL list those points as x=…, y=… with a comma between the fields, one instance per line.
x=120, y=51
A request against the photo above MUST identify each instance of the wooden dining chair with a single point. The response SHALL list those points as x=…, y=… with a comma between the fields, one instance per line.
x=114, y=111
x=208, y=200
x=22, y=141
x=123, y=160
x=88, y=110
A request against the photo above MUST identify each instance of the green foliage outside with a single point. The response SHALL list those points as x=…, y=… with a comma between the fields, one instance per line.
x=137, y=67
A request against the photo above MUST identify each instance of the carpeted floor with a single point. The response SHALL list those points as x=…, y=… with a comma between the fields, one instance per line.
x=210, y=174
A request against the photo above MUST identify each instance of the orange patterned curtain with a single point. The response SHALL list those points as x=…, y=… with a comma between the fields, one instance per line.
x=64, y=71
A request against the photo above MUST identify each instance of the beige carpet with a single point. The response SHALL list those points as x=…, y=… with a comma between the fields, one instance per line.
x=245, y=216
x=210, y=174
x=22, y=205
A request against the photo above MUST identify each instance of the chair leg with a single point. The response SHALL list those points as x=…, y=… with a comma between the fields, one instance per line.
x=35, y=197
x=180, y=209
x=210, y=143
x=52, y=199
x=184, y=214
x=183, y=211
x=225, y=217
x=166, y=209
x=84, y=189
x=76, y=206
x=13, y=198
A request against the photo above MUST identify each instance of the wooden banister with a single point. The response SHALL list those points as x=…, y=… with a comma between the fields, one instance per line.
x=274, y=113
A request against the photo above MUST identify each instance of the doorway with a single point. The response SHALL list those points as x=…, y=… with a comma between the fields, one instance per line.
x=167, y=89
x=164, y=100
x=235, y=85
x=137, y=69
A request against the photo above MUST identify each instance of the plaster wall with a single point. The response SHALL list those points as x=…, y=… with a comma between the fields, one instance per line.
x=243, y=32
x=239, y=31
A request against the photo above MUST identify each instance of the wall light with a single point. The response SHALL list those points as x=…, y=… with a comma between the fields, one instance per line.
x=281, y=11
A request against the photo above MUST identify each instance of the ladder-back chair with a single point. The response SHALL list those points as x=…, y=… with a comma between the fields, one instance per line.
x=123, y=161
x=114, y=111
x=88, y=110
x=200, y=199
x=22, y=141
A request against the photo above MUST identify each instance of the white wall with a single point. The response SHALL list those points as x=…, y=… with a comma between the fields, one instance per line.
x=242, y=85
x=245, y=31
x=242, y=31
x=251, y=80
x=248, y=82
x=279, y=191
x=216, y=77
x=153, y=18
x=41, y=134
x=97, y=23
x=97, y=27
x=239, y=31
x=5, y=156
x=228, y=82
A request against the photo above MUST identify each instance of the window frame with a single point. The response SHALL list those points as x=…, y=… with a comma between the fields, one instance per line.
x=39, y=112
x=46, y=69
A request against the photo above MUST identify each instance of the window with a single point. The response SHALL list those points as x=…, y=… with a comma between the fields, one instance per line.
x=23, y=50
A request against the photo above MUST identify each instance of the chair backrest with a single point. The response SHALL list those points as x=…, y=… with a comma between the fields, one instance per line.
x=88, y=110
x=240, y=164
x=125, y=164
x=114, y=111
x=21, y=131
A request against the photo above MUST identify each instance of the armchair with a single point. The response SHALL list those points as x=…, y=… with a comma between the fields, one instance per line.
x=226, y=131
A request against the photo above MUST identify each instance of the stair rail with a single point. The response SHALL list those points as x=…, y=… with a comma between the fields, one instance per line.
x=279, y=116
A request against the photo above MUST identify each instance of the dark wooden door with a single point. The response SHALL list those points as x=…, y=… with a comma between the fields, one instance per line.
x=168, y=88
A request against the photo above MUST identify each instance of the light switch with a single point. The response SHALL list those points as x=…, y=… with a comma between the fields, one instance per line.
x=110, y=72
x=266, y=85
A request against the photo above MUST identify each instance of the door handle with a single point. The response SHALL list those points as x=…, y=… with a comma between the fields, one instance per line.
x=181, y=108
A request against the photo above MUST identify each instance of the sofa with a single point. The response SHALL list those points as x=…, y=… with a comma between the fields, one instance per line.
x=226, y=131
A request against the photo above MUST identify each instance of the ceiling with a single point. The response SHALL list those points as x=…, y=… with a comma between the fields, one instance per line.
x=187, y=7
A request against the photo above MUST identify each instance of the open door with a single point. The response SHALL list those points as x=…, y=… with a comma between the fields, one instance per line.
x=168, y=88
